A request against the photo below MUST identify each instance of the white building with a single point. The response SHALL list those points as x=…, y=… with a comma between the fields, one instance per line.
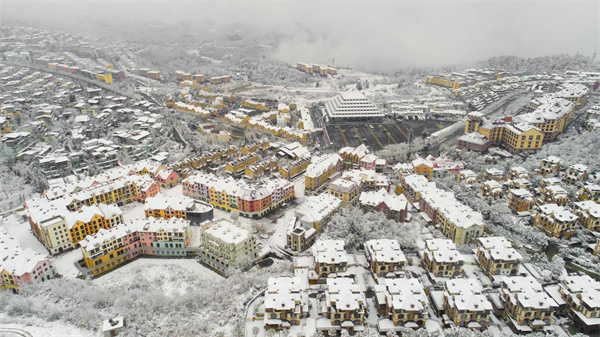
x=351, y=105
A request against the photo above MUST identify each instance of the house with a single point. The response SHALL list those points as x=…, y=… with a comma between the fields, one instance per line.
x=520, y=200
x=526, y=305
x=467, y=176
x=403, y=301
x=465, y=305
x=347, y=190
x=588, y=213
x=352, y=156
x=492, y=188
x=576, y=173
x=554, y=194
x=441, y=259
x=345, y=303
x=330, y=258
x=392, y=205
x=590, y=192
x=385, y=257
x=517, y=172
x=494, y=174
x=309, y=220
x=286, y=302
x=581, y=294
x=556, y=221
x=549, y=166
x=497, y=257
x=223, y=243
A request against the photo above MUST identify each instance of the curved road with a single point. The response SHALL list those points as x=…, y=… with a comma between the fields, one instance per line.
x=16, y=332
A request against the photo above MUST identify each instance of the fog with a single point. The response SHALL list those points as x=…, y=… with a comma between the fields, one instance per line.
x=367, y=35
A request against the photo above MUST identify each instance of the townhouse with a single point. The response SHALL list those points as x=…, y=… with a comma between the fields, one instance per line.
x=294, y=168
x=556, y=221
x=309, y=220
x=588, y=213
x=403, y=301
x=347, y=190
x=345, y=304
x=527, y=307
x=253, y=200
x=581, y=294
x=352, y=156
x=237, y=166
x=369, y=180
x=223, y=243
x=465, y=305
x=385, y=257
x=441, y=259
x=19, y=266
x=394, y=206
x=109, y=248
x=286, y=302
x=520, y=200
x=178, y=206
x=320, y=171
x=497, y=257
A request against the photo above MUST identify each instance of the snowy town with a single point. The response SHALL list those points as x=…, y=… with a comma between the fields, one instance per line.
x=152, y=188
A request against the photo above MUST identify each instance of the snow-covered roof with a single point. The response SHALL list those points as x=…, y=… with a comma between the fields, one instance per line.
x=393, y=201
x=225, y=231
x=384, y=251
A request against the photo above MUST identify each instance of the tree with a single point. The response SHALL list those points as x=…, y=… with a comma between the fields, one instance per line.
x=255, y=331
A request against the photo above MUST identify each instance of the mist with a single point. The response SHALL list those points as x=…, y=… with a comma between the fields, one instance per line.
x=367, y=35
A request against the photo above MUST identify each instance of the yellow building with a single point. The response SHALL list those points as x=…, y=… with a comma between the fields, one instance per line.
x=403, y=301
x=590, y=192
x=385, y=257
x=441, y=259
x=580, y=292
x=239, y=165
x=549, y=166
x=320, y=171
x=465, y=304
x=520, y=200
x=556, y=221
x=347, y=190
x=588, y=213
x=526, y=303
x=330, y=258
x=345, y=303
x=286, y=302
x=497, y=257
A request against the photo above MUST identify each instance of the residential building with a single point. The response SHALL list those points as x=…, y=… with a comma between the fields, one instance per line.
x=588, y=213
x=516, y=172
x=345, y=303
x=576, y=173
x=223, y=243
x=394, y=206
x=465, y=305
x=581, y=294
x=550, y=166
x=556, y=221
x=385, y=257
x=347, y=190
x=286, y=302
x=369, y=180
x=253, y=200
x=330, y=258
x=520, y=200
x=352, y=156
x=178, y=206
x=109, y=248
x=19, y=266
x=309, y=220
x=403, y=301
x=554, y=194
x=320, y=171
x=590, y=192
x=526, y=305
x=459, y=222
x=166, y=178
x=494, y=174
x=497, y=257
x=492, y=188
x=467, y=176
x=441, y=259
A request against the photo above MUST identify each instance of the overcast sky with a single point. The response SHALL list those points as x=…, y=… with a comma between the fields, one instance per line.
x=366, y=33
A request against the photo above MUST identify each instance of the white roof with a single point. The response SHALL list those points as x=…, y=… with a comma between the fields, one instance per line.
x=351, y=104
x=329, y=252
x=393, y=201
x=226, y=231
x=385, y=250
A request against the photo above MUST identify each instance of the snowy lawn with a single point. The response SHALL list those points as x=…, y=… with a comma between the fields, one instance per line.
x=65, y=263
x=38, y=327
x=21, y=231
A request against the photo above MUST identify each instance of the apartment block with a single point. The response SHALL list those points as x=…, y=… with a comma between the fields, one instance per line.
x=309, y=220
x=223, y=243
x=178, y=206
x=320, y=171
x=347, y=190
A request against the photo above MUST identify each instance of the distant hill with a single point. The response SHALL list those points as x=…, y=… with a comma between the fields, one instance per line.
x=544, y=64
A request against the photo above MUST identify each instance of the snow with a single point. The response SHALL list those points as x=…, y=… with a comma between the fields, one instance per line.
x=65, y=263
x=172, y=276
x=133, y=211
x=22, y=232
x=37, y=327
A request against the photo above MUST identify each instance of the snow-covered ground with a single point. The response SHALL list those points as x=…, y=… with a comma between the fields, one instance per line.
x=65, y=263
x=40, y=328
x=133, y=211
x=172, y=276
x=21, y=231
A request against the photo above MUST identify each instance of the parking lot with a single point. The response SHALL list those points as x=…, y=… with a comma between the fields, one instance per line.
x=376, y=136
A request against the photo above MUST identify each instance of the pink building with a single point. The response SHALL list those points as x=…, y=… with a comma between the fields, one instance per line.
x=167, y=178
x=368, y=162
